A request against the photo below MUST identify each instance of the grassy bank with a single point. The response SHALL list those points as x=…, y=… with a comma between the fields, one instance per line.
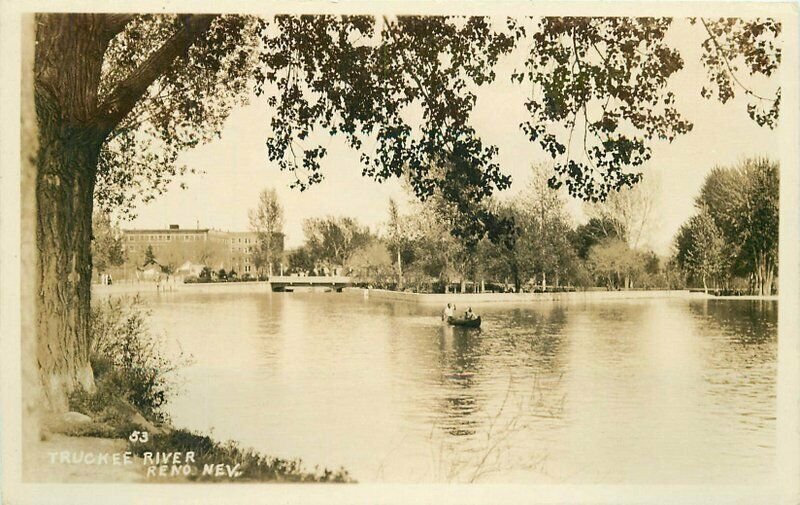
x=134, y=382
x=252, y=466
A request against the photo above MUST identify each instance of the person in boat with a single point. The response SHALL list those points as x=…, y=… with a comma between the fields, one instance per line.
x=468, y=315
x=448, y=312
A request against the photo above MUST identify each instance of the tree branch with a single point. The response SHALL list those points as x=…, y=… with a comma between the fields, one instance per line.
x=721, y=54
x=115, y=23
x=128, y=91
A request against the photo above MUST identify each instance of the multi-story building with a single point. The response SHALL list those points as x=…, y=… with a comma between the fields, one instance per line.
x=201, y=246
x=241, y=247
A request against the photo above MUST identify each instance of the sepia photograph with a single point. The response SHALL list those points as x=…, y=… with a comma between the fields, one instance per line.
x=415, y=252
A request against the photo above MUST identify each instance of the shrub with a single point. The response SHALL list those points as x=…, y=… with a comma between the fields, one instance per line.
x=128, y=361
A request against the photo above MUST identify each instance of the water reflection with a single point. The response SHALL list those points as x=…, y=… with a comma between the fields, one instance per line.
x=744, y=322
x=459, y=364
x=548, y=393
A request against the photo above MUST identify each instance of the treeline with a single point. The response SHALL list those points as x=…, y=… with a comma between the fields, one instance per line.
x=543, y=251
x=731, y=243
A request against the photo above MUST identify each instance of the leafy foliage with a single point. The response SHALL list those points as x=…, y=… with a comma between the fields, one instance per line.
x=607, y=78
x=594, y=231
x=150, y=256
x=600, y=97
x=329, y=78
x=701, y=248
x=331, y=241
x=743, y=203
x=300, y=260
x=107, y=243
x=128, y=360
x=185, y=106
x=736, y=42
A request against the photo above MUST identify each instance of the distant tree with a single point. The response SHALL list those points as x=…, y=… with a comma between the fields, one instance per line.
x=507, y=260
x=300, y=260
x=544, y=229
x=439, y=252
x=332, y=240
x=593, y=232
x=107, y=243
x=701, y=248
x=206, y=274
x=149, y=256
x=615, y=263
x=167, y=269
x=628, y=211
x=211, y=252
x=400, y=238
x=743, y=202
x=372, y=263
x=267, y=221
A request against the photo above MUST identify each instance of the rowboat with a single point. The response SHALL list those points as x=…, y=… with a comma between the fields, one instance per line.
x=467, y=323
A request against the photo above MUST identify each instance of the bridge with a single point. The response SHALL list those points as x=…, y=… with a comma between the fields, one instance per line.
x=291, y=282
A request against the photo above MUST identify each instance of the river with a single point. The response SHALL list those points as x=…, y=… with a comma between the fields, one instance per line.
x=659, y=391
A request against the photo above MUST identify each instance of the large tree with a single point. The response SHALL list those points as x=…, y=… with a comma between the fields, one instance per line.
x=545, y=229
x=119, y=96
x=743, y=202
x=331, y=241
x=700, y=248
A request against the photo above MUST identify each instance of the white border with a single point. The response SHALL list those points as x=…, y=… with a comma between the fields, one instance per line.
x=788, y=488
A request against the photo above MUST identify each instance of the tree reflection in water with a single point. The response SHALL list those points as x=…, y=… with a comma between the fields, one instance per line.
x=472, y=436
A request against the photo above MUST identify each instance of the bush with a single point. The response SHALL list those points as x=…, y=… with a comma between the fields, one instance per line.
x=128, y=361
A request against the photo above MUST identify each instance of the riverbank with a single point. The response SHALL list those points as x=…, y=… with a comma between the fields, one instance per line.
x=123, y=288
x=575, y=296
x=73, y=448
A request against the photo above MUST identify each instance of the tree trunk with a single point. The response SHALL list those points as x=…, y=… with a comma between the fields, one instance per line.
x=69, y=55
x=399, y=271
x=64, y=191
x=705, y=286
x=768, y=278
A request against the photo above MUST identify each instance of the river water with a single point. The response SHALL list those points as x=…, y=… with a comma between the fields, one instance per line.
x=641, y=391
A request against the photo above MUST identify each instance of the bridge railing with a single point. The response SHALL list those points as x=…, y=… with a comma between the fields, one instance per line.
x=310, y=279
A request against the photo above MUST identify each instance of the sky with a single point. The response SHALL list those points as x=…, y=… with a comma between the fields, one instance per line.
x=234, y=169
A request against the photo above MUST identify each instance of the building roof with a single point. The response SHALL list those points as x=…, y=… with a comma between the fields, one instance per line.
x=167, y=230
